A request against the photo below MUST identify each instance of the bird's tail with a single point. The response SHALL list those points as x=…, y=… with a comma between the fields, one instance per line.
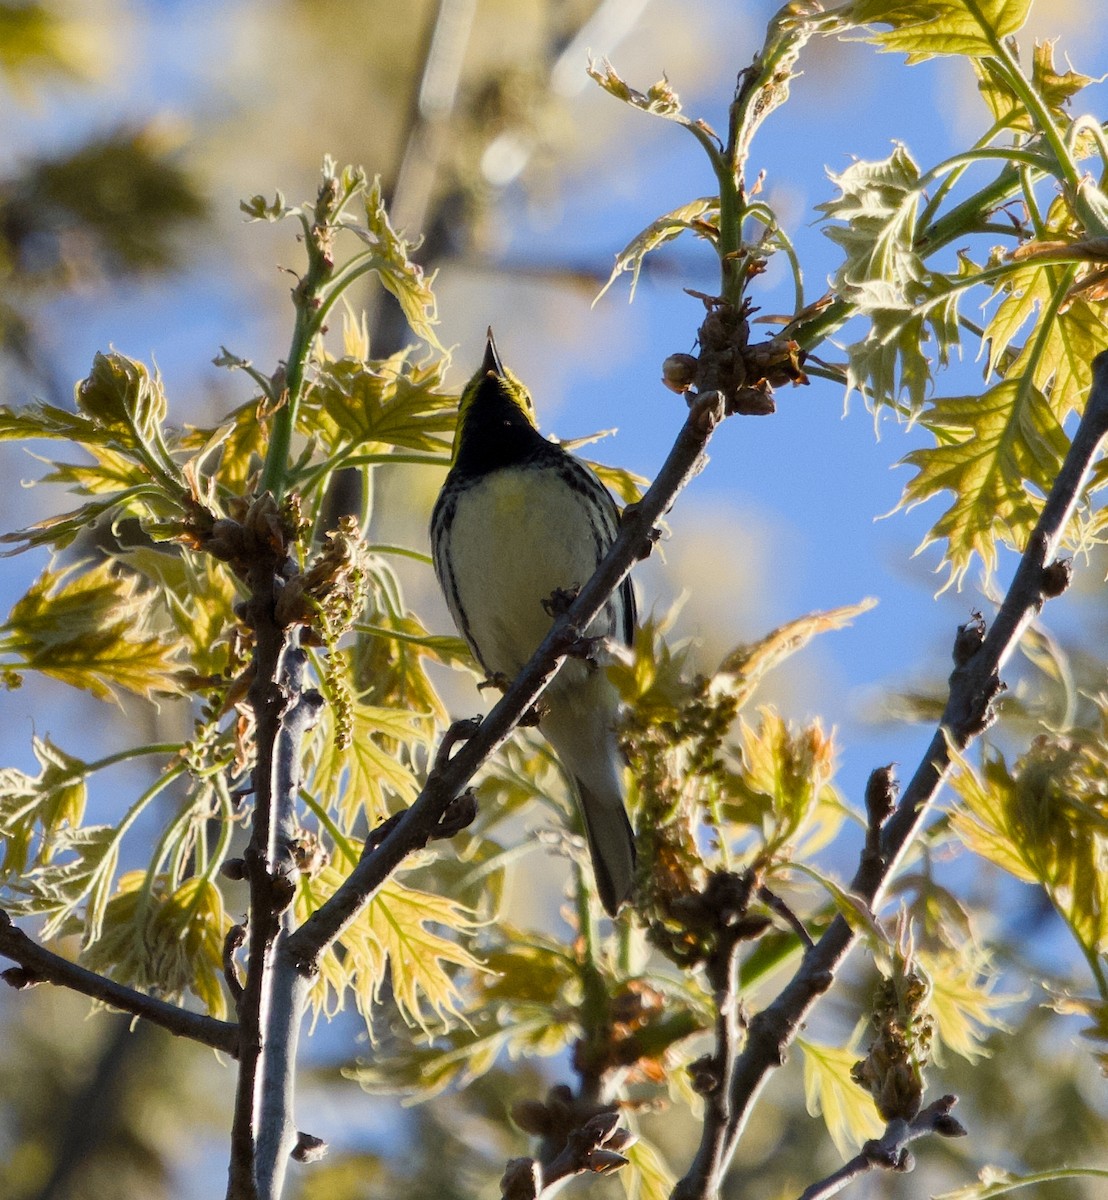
x=611, y=844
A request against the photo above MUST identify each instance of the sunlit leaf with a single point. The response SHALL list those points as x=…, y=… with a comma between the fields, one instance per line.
x=1055, y=89
x=847, y=1109
x=991, y=450
x=744, y=667
x=784, y=782
x=648, y=1176
x=922, y=29
x=38, y=807
x=367, y=775
x=396, y=271
x=700, y=217
x=162, y=941
x=94, y=628
x=1045, y=822
x=963, y=1002
x=373, y=408
x=394, y=933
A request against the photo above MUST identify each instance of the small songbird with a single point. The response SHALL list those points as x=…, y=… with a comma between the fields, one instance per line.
x=519, y=518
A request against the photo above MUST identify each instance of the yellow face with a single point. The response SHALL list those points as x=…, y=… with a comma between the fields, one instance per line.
x=488, y=389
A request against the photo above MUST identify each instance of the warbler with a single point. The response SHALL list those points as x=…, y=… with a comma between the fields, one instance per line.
x=519, y=518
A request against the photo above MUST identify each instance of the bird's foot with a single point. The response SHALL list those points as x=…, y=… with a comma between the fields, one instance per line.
x=559, y=600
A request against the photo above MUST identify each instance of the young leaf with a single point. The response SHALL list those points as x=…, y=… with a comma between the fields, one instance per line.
x=698, y=216
x=396, y=271
x=393, y=935
x=95, y=628
x=847, y=1110
x=39, y=807
x=990, y=449
x=939, y=27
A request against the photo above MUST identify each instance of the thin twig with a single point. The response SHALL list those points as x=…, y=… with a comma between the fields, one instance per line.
x=890, y=1151
x=42, y=965
x=418, y=823
x=594, y=1147
x=974, y=687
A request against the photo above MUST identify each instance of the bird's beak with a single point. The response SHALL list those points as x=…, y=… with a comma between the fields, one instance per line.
x=491, y=364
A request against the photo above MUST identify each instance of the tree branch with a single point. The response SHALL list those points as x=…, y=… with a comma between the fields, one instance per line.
x=272, y=1001
x=40, y=965
x=974, y=687
x=419, y=823
x=890, y=1151
x=594, y=1147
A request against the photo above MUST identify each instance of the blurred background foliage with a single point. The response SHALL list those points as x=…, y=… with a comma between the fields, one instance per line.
x=132, y=129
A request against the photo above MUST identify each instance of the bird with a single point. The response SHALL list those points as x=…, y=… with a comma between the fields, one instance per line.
x=519, y=519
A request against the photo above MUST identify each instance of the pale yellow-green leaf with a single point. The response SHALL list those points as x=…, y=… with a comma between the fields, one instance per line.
x=991, y=451
x=963, y=1001
x=994, y=1182
x=922, y=29
x=39, y=806
x=94, y=627
x=885, y=280
x=121, y=396
x=395, y=932
x=745, y=666
x=164, y=941
x=397, y=272
x=647, y=1175
x=785, y=776
x=1055, y=89
x=847, y=1109
x=371, y=774
x=359, y=408
x=1044, y=822
x=82, y=867
x=700, y=216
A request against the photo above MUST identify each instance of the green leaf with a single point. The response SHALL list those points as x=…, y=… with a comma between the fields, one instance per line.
x=923, y=29
x=82, y=866
x=121, y=397
x=39, y=807
x=1044, y=822
x=392, y=935
x=963, y=1001
x=699, y=216
x=367, y=775
x=1055, y=90
x=94, y=628
x=370, y=408
x=164, y=941
x=648, y=1176
x=992, y=451
x=847, y=1109
x=885, y=280
x=396, y=271
x=996, y=1182
x=745, y=666
x=784, y=782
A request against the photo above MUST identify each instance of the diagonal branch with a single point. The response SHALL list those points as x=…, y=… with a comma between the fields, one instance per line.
x=890, y=1151
x=974, y=686
x=419, y=823
x=39, y=965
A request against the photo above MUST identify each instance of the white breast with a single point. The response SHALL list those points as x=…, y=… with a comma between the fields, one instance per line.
x=516, y=537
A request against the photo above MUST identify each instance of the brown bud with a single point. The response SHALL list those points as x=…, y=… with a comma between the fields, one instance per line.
x=21, y=978
x=968, y=639
x=1056, y=577
x=308, y=1148
x=881, y=789
x=679, y=372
